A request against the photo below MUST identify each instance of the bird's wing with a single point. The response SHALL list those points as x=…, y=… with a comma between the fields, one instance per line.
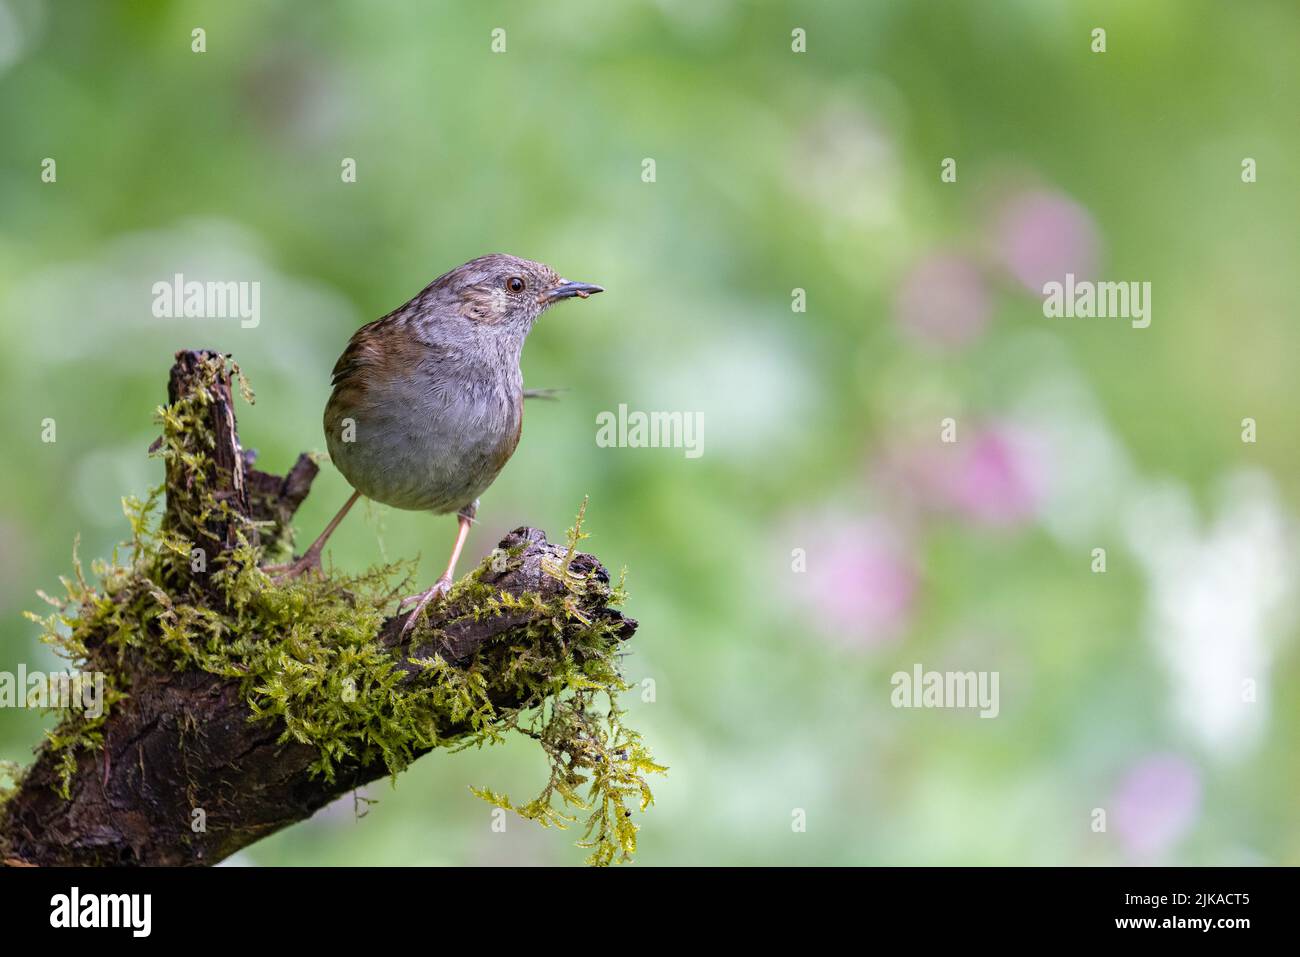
x=386, y=349
x=364, y=351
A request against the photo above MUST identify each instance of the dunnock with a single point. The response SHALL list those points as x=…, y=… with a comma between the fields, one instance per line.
x=428, y=401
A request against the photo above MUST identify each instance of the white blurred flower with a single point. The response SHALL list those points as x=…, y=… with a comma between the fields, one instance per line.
x=751, y=383
x=1090, y=466
x=846, y=162
x=1221, y=600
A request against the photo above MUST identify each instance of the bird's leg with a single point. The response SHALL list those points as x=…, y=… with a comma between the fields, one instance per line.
x=311, y=558
x=464, y=518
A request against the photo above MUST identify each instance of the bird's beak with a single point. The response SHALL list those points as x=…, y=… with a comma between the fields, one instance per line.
x=565, y=289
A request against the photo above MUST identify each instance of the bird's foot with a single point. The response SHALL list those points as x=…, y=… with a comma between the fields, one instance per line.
x=439, y=588
x=310, y=561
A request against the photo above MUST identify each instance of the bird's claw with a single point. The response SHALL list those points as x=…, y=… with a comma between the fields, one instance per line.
x=422, y=600
x=291, y=570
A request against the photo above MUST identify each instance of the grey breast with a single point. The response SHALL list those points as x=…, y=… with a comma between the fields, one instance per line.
x=437, y=440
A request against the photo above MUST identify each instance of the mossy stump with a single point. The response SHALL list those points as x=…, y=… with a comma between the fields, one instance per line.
x=238, y=706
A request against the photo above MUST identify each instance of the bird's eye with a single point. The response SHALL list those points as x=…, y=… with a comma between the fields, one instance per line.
x=515, y=284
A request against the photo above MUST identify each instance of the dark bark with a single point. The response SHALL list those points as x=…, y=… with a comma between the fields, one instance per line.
x=183, y=740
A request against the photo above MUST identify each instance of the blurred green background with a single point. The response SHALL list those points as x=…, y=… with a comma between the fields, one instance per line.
x=765, y=688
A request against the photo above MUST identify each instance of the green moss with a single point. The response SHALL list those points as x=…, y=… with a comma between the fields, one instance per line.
x=305, y=653
x=11, y=774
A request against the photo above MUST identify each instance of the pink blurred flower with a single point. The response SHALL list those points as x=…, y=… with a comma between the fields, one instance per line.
x=860, y=581
x=994, y=475
x=1155, y=805
x=943, y=300
x=998, y=479
x=1043, y=235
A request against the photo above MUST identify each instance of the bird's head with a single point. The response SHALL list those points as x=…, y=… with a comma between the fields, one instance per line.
x=507, y=292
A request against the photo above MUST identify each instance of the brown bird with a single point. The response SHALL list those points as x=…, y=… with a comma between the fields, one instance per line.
x=428, y=401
